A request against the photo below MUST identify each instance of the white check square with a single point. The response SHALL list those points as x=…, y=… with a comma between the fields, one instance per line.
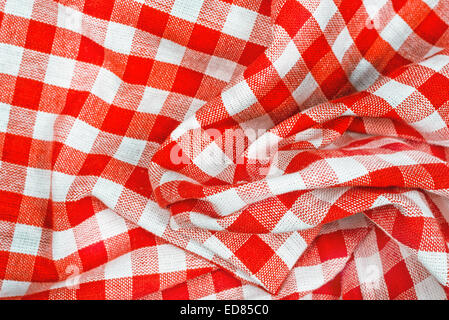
x=212, y=160
x=436, y=62
x=170, y=52
x=309, y=277
x=11, y=288
x=238, y=98
x=187, y=9
x=107, y=191
x=38, y=182
x=291, y=249
x=10, y=59
x=220, y=68
x=369, y=270
x=43, y=126
x=4, y=116
x=364, y=75
x=82, y=136
x=324, y=13
x=199, y=249
x=342, y=44
x=63, y=244
x=373, y=7
x=130, y=150
x=227, y=202
x=119, y=37
x=240, y=22
x=251, y=292
x=396, y=32
x=215, y=245
x=171, y=258
x=69, y=18
x=152, y=101
x=120, y=267
x=436, y=263
x=59, y=71
x=305, y=89
x=431, y=123
x=110, y=224
x=431, y=3
x=154, y=218
x=347, y=169
x=189, y=124
x=287, y=60
x=60, y=185
x=106, y=85
x=430, y=289
x=26, y=239
x=394, y=92
x=290, y=222
x=21, y=8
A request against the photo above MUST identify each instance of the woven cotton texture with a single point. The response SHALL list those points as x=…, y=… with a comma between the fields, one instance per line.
x=131, y=135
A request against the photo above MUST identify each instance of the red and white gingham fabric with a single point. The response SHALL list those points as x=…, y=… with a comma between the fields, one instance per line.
x=350, y=99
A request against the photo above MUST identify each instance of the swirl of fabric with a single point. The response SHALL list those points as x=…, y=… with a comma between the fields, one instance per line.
x=224, y=149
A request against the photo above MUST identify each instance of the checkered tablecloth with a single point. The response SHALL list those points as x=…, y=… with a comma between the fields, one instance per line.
x=130, y=141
